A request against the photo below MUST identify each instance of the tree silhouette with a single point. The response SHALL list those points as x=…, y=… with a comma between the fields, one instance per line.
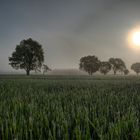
x=117, y=64
x=28, y=55
x=105, y=67
x=45, y=69
x=90, y=64
x=126, y=72
x=136, y=68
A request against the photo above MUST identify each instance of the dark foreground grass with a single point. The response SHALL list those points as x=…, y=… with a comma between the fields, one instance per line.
x=69, y=108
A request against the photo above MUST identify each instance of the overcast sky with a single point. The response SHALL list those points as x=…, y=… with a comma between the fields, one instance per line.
x=69, y=29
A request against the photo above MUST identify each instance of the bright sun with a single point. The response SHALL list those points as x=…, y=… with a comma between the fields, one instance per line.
x=134, y=38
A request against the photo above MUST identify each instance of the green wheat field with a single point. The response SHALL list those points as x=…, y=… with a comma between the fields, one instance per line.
x=69, y=108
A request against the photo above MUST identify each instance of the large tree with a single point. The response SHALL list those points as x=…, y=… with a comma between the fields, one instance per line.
x=117, y=64
x=105, y=67
x=136, y=68
x=90, y=64
x=28, y=55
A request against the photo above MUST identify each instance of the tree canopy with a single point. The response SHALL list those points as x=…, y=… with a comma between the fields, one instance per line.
x=28, y=55
x=117, y=64
x=126, y=72
x=105, y=67
x=90, y=64
x=136, y=67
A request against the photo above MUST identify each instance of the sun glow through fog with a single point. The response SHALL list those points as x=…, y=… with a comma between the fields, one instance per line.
x=134, y=39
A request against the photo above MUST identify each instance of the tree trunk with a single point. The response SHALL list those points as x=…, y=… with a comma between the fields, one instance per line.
x=28, y=72
x=114, y=72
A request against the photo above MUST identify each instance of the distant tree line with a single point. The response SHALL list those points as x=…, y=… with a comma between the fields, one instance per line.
x=29, y=55
x=92, y=64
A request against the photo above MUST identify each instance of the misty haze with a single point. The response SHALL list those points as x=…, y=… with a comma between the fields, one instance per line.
x=69, y=30
x=70, y=70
